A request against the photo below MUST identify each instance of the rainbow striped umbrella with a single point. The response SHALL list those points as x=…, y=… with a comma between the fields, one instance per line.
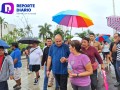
x=72, y=18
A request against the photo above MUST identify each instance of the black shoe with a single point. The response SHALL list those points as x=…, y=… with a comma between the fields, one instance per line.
x=36, y=82
x=117, y=84
x=18, y=87
x=15, y=86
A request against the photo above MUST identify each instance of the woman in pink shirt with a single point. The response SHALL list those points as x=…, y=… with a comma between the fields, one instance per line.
x=79, y=68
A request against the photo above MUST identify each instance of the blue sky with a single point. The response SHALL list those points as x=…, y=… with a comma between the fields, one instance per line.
x=97, y=10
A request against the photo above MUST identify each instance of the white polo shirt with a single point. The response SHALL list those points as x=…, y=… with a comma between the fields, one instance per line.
x=35, y=56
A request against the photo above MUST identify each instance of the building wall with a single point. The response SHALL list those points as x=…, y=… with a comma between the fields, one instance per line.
x=10, y=27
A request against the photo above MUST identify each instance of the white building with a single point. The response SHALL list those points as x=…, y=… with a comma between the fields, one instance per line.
x=5, y=30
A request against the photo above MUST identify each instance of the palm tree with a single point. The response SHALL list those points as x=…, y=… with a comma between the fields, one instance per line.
x=81, y=35
x=59, y=31
x=21, y=34
x=66, y=34
x=2, y=24
x=84, y=34
x=11, y=34
x=44, y=31
x=89, y=31
x=29, y=31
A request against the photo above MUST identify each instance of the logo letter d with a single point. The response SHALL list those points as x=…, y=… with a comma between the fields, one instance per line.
x=7, y=8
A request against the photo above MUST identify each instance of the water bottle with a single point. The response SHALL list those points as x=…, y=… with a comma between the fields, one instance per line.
x=69, y=67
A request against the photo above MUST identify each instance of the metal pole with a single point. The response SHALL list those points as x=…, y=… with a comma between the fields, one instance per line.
x=114, y=31
x=71, y=26
x=114, y=7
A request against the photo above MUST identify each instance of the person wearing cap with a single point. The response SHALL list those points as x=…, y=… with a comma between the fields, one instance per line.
x=35, y=60
x=6, y=69
x=16, y=56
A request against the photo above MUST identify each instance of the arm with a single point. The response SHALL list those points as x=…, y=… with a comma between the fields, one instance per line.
x=40, y=53
x=88, y=71
x=16, y=57
x=64, y=59
x=49, y=60
x=114, y=49
x=97, y=56
x=99, y=59
x=11, y=67
x=99, y=48
x=43, y=58
x=111, y=56
x=15, y=61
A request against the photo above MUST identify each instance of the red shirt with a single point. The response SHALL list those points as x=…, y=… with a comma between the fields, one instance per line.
x=93, y=54
x=1, y=61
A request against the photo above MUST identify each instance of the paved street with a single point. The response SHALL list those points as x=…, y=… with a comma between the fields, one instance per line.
x=27, y=80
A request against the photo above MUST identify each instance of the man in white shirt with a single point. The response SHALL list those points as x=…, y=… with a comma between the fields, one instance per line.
x=35, y=60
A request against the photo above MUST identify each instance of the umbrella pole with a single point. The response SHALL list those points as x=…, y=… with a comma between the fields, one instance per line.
x=71, y=25
x=70, y=31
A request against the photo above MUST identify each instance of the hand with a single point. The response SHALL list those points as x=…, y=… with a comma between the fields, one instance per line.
x=11, y=77
x=63, y=60
x=48, y=73
x=102, y=67
x=69, y=71
x=115, y=40
x=72, y=75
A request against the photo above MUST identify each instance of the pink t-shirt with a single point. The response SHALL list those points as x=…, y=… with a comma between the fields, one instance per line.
x=78, y=64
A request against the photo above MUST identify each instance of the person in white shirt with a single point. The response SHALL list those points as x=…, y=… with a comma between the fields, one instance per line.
x=106, y=52
x=35, y=60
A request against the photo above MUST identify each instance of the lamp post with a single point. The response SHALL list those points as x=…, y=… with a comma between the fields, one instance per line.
x=114, y=31
x=114, y=7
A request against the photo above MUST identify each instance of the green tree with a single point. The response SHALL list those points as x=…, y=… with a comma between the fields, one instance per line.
x=8, y=39
x=16, y=34
x=29, y=31
x=84, y=34
x=59, y=31
x=97, y=34
x=44, y=31
x=22, y=33
x=2, y=24
x=81, y=35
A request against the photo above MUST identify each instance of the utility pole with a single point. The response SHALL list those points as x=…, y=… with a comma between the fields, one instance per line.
x=114, y=31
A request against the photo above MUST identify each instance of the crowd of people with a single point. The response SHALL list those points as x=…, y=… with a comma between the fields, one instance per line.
x=77, y=60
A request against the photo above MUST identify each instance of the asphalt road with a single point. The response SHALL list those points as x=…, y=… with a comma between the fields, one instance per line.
x=27, y=80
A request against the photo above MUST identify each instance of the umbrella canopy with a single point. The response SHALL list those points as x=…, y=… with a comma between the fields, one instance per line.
x=114, y=22
x=72, y=18
x=28, y=40
x=4, y=44
x=76, y=38
x=102, y=38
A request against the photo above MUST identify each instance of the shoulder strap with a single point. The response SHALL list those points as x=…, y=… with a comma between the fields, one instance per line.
x=33, y=50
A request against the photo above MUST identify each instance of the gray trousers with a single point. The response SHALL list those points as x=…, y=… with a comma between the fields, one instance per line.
x=81, y=87
x=94, y=80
